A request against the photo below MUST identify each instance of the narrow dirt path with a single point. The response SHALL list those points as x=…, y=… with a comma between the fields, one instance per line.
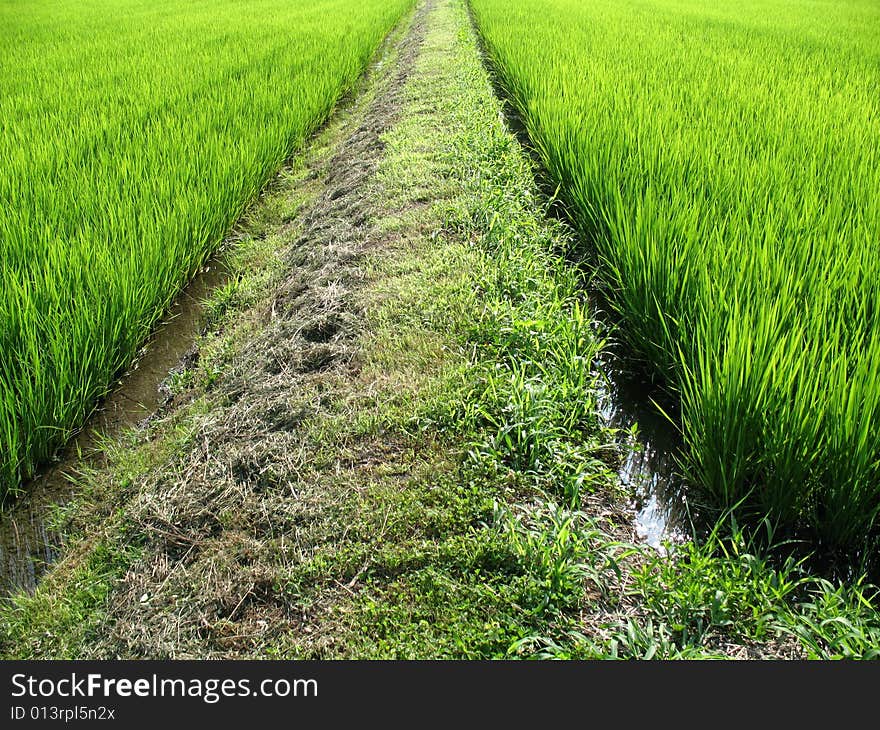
x=224, y=519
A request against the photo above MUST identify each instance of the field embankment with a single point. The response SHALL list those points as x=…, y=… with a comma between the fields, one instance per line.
x=133, y=134
x=725, y=165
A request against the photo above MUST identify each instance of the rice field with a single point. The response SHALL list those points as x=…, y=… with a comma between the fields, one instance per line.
x=132, y=135
x=724, y=161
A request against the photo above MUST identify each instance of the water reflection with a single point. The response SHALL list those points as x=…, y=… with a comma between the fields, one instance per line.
x=649, y=442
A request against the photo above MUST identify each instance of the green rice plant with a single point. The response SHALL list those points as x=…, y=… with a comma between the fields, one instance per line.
x=724, y=164
x=132, y=135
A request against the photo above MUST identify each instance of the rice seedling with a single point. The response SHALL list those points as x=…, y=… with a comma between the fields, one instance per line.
x=724, y=162
x=132, y=135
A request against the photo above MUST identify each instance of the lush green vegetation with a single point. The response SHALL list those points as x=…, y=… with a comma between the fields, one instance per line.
x=459, y=449
x=132, y=135
x=725, y=160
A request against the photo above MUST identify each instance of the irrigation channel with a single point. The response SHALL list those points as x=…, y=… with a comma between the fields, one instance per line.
x=29, y=545
x=649, y=442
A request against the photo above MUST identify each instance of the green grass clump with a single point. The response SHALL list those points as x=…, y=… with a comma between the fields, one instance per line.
x=133, y=135
x=725, y=163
